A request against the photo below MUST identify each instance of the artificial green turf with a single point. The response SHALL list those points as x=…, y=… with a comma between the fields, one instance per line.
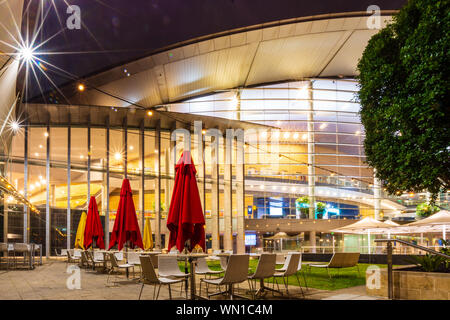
x=317, y=277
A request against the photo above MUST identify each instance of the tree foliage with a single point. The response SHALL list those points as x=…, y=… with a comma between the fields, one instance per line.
x=404, y=96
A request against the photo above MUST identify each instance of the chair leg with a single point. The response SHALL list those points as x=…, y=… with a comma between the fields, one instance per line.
x=170, y=292
x=231, y=291
x=298, y=280
x=251, y=288
x=154, y=291
x=142, y=288
x=286, y=286
x=328, y=271
x=159, y=288
x=304, y=278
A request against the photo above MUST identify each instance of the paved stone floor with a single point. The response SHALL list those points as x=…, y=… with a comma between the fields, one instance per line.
x=48, y=282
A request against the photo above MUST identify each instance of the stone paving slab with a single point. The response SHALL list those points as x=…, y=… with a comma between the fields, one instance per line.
x=48, y=282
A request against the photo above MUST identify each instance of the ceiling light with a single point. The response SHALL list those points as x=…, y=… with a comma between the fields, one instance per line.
x=45, y=134
x=149, y=113
x=286, y=135
x=26, y=54
x=296, y=135
x=323, y=126
x=117, y=156
x=81, y=87
x=304, y=136
x=15, y=126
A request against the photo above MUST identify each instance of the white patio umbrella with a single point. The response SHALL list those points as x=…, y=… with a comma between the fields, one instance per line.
x=367, y=225
x=280, y=236
x=392, y=224
x=436, y=222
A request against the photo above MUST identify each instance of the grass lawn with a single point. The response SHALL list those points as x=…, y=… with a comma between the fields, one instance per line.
x=318, y=277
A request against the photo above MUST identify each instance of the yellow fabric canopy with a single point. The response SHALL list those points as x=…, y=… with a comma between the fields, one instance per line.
x=148, y=239
x=79, y=239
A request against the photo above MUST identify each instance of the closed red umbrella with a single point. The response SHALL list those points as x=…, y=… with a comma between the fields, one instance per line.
x=186, y=220
x=126, y=227
x=93, y=230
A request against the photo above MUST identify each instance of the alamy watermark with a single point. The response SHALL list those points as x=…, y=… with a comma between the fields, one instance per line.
x=373, y=277
x=74, y=19
x=74, y=280
x=374, y=21
x=264, y=143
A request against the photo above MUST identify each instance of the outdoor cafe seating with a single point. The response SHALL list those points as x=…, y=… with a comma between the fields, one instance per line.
x=338, y=261
x=16, y=255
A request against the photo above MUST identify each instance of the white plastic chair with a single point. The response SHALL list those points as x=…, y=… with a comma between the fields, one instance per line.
x=264, y=269
x=202, y=268
x=236, y=272
x=119, y=255
x=115, y=266
x=149, y=277
x=168, y=267
x=133, y=258
x=290, y=270
x=299, y=267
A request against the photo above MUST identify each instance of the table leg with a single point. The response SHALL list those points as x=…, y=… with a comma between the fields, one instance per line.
x=192, y=276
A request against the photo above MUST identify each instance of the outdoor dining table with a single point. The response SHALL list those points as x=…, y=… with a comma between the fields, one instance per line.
x=105, y=259
x=191, y=258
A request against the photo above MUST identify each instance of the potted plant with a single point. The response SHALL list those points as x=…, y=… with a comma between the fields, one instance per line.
x=424, y=210
x=320, y=209
x=302, y=204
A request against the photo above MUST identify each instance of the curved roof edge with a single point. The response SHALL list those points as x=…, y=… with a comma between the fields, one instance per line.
x=327, y=45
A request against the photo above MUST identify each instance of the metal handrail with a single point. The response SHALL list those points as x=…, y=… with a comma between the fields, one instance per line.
x=415, y=246
x=389, y=259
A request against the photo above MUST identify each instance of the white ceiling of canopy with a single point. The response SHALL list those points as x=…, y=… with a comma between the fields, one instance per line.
x=317, y=48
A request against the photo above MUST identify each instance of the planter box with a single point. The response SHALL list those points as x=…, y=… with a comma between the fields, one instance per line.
x=411, y=285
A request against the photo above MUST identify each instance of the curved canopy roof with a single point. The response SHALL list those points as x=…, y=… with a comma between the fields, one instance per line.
x=321, y=46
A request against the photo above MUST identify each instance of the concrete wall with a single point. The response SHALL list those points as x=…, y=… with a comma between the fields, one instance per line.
x=413, y=285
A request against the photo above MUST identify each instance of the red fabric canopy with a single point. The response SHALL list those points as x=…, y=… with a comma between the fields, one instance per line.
x=186, y=220
x=126, y=227
x=93, y=230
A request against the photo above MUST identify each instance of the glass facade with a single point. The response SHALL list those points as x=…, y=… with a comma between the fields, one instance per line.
x=303, y=158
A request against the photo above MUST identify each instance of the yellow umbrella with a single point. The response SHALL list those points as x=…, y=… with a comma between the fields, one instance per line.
x=148, y=239
x=79, y=239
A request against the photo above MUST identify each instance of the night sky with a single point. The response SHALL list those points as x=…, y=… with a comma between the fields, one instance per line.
x=117, y=31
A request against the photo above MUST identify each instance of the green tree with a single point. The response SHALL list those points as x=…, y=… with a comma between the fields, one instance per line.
x=404, y=96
